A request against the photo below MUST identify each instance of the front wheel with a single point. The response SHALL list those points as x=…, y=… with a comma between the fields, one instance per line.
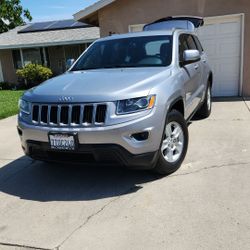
x=174, y=144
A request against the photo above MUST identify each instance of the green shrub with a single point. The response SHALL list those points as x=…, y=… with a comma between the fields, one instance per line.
x=6, y=86
x=34, y=74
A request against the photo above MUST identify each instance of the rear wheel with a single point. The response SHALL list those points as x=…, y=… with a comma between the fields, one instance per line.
x=205, y=109
x=174, y=144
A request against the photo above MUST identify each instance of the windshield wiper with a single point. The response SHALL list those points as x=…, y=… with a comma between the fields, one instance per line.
x=117, y=66
x=83, y=69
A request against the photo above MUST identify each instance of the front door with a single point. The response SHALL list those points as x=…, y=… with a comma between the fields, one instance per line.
x=191, y=75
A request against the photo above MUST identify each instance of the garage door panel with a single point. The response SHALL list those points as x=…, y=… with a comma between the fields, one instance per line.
x=214, y=66
x=229, y=47
x=210, y=48
x=221, y=39
x=222, y=49
x=207, y=31
x=227, y=80
x=229, y=28
x=229, y=68
x=228, y=88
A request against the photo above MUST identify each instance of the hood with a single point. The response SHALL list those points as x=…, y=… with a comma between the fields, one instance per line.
x=98, y=85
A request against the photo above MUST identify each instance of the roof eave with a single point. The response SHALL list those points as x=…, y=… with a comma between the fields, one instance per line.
x=88, y=13
x=49, y=44
x=91, y=19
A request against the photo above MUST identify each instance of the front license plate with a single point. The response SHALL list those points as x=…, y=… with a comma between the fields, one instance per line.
x=62, y=142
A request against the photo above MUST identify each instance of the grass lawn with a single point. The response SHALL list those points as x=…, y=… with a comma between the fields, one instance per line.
x=9, y=102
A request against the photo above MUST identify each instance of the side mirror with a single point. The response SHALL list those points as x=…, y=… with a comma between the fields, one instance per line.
x=69, y=63
x=191, y=56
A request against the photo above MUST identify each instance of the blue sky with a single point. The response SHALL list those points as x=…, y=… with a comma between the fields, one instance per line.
x=46, y=10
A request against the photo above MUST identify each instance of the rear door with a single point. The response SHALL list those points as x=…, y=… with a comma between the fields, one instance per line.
x=192, y=73
x=203, y=65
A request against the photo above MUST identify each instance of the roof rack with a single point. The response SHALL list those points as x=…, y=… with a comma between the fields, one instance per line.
x=175, y=22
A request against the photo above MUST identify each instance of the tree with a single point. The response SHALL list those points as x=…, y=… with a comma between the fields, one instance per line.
x=12, y=14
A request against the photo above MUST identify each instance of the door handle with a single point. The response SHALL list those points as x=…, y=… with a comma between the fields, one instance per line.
x=196, y=66
x=204, y=60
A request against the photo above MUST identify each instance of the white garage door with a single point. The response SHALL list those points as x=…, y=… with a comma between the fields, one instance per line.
x=221, y=39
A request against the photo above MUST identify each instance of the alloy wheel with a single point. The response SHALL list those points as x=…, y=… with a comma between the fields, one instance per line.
x=173, y=142
x=209, y=101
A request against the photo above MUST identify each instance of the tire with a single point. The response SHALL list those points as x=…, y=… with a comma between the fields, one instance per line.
x=172, y=152
x=206, y=108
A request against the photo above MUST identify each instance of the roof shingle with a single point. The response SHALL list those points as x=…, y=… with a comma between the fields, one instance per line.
x=12, y=39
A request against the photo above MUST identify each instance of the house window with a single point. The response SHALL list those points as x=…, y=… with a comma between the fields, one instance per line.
x=33, y=55
x=17, y=59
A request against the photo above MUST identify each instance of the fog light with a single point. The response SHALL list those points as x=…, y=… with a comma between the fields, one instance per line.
x=143, y=136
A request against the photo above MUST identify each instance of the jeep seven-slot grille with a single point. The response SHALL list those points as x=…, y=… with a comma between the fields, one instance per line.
x=69, y=115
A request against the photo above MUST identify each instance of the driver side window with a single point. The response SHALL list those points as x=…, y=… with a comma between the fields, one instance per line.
x=186, y=42
x=183, y=45
x=191, y=42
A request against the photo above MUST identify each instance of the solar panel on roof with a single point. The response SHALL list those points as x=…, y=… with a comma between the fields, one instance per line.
x=79, y=24
x=63, y=24
x=54, y=25
x=36, y=27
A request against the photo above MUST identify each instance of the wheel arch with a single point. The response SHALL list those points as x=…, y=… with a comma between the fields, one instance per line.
x=210, y=78
x=178, y=104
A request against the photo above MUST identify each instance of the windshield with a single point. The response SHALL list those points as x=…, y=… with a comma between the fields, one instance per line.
x=148, y=51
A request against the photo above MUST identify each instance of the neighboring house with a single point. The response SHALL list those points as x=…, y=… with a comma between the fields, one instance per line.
x=47, y=43
x=225, y=35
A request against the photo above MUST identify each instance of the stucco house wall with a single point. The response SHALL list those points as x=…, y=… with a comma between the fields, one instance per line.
x=9, y=73
x=116, y=17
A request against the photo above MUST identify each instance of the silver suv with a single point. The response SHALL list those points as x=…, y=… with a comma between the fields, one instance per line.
x=126, y=100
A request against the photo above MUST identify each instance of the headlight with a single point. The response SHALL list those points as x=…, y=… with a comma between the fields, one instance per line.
x=24, y=106
x=135, y=104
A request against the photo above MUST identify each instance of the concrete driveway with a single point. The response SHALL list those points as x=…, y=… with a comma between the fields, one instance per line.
x=205, y=205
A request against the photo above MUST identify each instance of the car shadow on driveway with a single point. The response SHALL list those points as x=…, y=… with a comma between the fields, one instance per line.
x=38, y=181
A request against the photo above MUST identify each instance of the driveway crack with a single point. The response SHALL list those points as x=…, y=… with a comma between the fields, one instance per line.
x=95, y=214
x=210, y=167
x=25, y=247
x=248, y=108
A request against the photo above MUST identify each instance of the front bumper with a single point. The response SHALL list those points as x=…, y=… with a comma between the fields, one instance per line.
x=100, y=142
x=105, y=154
